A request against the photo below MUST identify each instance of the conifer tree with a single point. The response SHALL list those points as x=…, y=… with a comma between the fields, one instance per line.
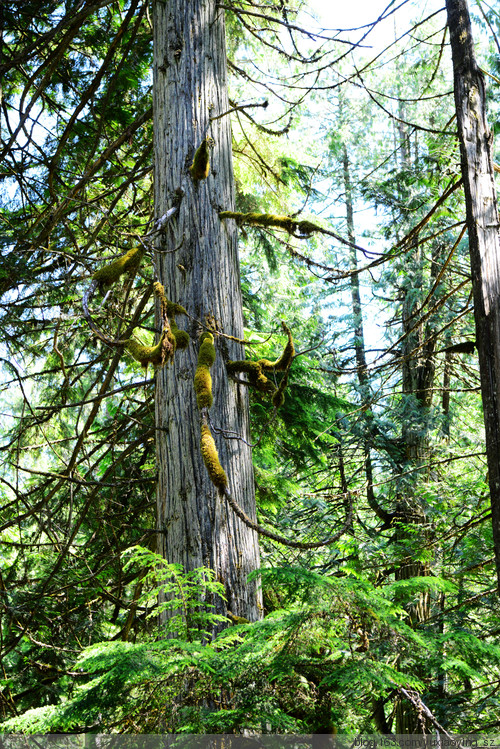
x=197, y=264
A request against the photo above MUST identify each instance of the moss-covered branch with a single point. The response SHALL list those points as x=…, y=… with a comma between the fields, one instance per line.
x=106, y=276
x=255, y=371
x=301, y=229
x=156, y=355
x=291, y=225
x=204, y=399
x=283, y=362
x=256, y=377
x=171, y=338
x=109, y=274
x=168, y=312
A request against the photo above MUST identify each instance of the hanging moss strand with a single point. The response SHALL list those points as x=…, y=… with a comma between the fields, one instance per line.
x=169, y=310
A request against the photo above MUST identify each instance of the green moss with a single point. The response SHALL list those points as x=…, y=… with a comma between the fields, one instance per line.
x=207, y=353
x=174, y=309
x=256, y=376
x=170, y=309
x=211, y=458
x=181, y=336
x=306, y=228
x=203, y=387
x=202, y=378
x=147, y=354
x=201, y=162
x=261, y=219
x=109, y=274
x=160, y=293
x=284, y=361
x=250, y=367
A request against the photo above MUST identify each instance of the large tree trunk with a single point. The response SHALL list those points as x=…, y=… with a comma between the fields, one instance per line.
x=197, y=263
x=484, y=237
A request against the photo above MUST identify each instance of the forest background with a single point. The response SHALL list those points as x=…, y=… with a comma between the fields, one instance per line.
x=374, y=607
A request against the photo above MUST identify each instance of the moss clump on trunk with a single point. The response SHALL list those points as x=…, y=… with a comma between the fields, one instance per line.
x=181, y=336
x=203, y=387
x=200, y=167
x=202, y=378
x=211, y=458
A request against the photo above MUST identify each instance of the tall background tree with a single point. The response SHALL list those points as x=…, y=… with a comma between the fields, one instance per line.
x=484, y=236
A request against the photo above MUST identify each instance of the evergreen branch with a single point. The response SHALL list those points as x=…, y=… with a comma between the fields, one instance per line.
x=71, y=20
x=260, y=126
x=160, y=226
x=54, y=213
x=85, y=402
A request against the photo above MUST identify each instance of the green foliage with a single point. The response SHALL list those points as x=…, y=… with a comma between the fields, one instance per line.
x=405, y=596
x=320, y=660
x=171, y=589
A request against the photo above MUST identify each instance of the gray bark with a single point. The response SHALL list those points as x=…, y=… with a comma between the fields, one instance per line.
x=196, y=526
x=484, y=237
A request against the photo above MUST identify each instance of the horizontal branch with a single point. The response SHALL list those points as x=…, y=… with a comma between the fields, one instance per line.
x=282, y=539
x=300, y=229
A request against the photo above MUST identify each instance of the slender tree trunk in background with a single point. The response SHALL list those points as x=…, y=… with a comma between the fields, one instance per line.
x=417, y=380
x=484, y=236
x=418, y=372
x=197, y=262
x=378, y=714
x=359, y=340
x=445, y=401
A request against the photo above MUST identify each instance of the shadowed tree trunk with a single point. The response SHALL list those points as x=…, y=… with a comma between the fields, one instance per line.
x=197, y=263
x=484, y=237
